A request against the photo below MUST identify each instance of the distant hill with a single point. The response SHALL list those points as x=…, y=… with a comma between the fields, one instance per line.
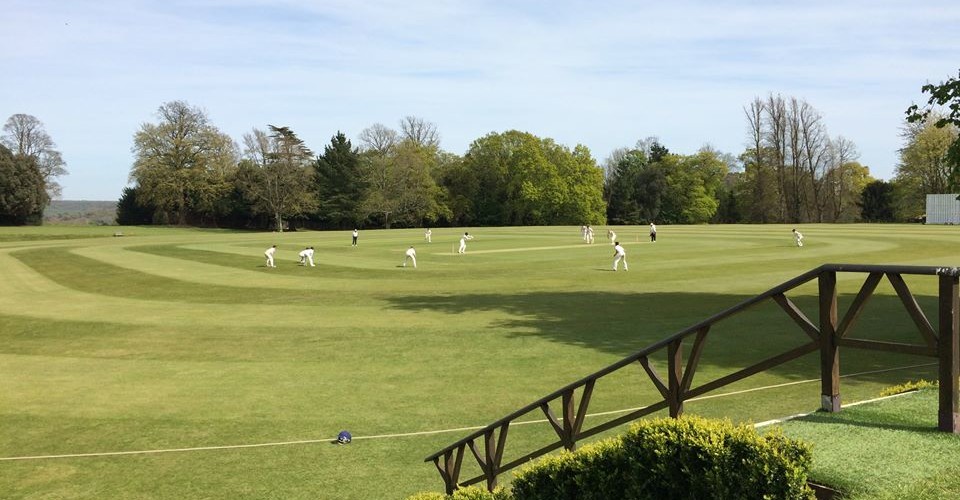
x=81, y=213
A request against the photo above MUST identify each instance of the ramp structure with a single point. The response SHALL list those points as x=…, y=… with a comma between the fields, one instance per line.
x=826, y=336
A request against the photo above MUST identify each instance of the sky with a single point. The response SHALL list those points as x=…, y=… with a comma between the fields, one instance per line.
x=603, y=74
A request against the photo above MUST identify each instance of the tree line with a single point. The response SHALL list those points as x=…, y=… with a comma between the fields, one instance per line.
x=187, y=172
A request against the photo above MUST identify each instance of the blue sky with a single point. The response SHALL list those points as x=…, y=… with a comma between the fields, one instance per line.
x=602, y=74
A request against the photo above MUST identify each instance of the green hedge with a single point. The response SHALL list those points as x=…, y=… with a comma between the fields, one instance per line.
x=685, y=458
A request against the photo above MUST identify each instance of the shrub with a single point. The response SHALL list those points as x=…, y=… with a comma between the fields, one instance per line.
x=688, y=457
x=907, y=387
x=427, y=495
x=468, y=493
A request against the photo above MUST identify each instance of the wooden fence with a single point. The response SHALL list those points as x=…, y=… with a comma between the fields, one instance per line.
x=827, y=336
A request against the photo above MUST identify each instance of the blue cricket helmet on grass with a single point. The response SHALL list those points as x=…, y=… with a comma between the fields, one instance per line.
x=344, y=437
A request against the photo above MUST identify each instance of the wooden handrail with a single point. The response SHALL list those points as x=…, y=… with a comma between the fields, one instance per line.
x=675, y=388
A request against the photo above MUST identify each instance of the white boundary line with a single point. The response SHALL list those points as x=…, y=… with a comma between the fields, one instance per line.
x=461, y=429
x=855, y=403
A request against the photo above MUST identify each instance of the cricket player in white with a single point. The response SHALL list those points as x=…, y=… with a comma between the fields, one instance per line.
x=463, y=242
x=306, y=256
x=428, y=235
x=799, y=237
x=612, y=235
x=583, y=232
x=589, y=235
x=410, y=255
x=269, y=255
x=618, y=255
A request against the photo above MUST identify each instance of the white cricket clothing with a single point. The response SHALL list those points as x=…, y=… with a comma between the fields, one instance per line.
x=428, y=235
x=620, y=255
x=306, y=257
x=463, y=243
x=269, y=255
x=799, y=238
x=411, y=254
x=613, y=236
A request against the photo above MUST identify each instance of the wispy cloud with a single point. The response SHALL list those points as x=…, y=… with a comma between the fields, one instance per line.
x=599, y=73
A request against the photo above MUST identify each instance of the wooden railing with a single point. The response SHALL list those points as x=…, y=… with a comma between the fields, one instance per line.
x=487, y=445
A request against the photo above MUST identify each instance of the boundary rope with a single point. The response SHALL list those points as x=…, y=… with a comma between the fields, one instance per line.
x=458, y=429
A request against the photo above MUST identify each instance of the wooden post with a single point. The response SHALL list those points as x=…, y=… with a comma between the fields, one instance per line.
x=948, y=346
x=674, y=376
x=569, y=418
x=489, y=454
x=829, y=354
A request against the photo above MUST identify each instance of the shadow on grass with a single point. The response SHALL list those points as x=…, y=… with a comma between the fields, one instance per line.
x=624, y=323
x=891, y=424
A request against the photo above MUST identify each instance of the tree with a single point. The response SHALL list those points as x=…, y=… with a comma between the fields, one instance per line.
x=25, y=135
x=340, y=183
x=583, y=180
x=924, y=167
x=420, y=132
x=759, y=188
x=877, y=202
x=23, y=194
x=130, y=212
x=401, y=187
x=520, y=179
x=182, y=165
x=691, y=187
x=378, y=138
x=276, y=174
x=791, y=164
x=947, y=93
x=622, y=186
x=843, y=182
x=454, y=181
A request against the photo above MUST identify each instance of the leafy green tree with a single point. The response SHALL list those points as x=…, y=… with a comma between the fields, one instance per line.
x=339, y=184
x=584, y=180
x=728, y=208
x=25, y=135
x=183, y=165
x=277, y=175
x=622, y=188
x=520, y=179
x=658, y=152
x=23, y=194
x=650, y=192
x=944, y=106
x=877, y=202
x=847, y=183
x=401, y=189
x=924, y=167
x=130, y=212
x=692, y=186
x=757, y=189
x=457, y=184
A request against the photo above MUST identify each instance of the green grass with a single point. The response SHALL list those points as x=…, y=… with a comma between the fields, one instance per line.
x=883, y=450
x=179, y=338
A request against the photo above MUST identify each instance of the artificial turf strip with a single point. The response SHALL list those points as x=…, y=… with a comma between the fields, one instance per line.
x=887, y=449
